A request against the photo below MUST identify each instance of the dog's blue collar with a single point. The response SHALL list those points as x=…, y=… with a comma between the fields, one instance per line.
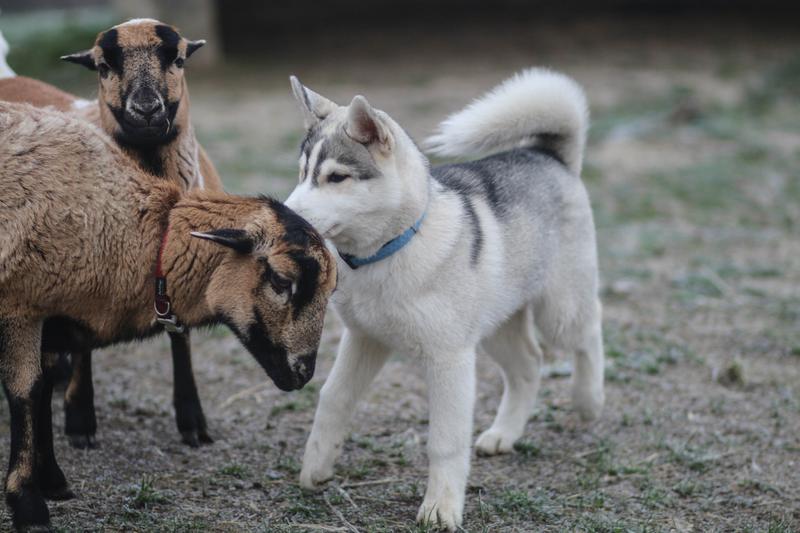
x=388, y=249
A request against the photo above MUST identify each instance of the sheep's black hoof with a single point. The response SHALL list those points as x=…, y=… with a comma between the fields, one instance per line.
x=192, y=423
x=53, y=484
x=196, y=438
x=58, y=494
x=82, y=441
x=28, y=510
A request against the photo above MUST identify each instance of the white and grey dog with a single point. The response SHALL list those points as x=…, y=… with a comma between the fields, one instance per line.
x=438, y=263
x=5, y=70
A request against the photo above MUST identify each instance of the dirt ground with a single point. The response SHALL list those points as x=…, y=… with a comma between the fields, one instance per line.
x=693, y=167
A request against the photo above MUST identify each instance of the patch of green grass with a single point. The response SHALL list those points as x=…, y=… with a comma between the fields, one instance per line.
x=520, y=505
x=696, y=459
x=119, y=403
x=360, y=470
x=305, y=398
x=288, y=464
x=219, y=332
x=781, y=524
x=234, y=470
x=695, y=284
x=145, y=495
x=191, y=524
x=598, y=523
x=655, y=497
x=754, y=485
x=686, y=488
x=527, y=449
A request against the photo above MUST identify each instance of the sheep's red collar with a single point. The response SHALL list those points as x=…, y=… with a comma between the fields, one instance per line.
x=163, y=306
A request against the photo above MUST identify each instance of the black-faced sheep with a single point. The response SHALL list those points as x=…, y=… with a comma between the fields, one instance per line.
x=143, y=104
x=84, y=233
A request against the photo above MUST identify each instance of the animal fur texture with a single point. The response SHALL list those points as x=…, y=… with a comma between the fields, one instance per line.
x=506, y=249
x=80, y=230
x=143, y=105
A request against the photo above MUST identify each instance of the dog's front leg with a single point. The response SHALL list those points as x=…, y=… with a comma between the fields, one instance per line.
x=357, y=363
x=451, y=397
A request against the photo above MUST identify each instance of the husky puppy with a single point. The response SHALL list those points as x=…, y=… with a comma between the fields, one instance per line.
x=438, y=263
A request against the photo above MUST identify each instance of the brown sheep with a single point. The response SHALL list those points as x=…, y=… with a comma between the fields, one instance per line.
x=83, y=235
x=143, y=104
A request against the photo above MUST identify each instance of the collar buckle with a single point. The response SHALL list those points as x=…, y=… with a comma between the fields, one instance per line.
x=162, y=304
x=170, y=323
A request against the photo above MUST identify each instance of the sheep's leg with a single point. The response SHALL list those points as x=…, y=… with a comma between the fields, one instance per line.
x=80, y=421
x=21, y=370
x=52, y=482
x=188, y=411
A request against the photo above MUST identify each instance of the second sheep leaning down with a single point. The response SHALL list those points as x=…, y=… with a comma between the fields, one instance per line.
x=81, y=228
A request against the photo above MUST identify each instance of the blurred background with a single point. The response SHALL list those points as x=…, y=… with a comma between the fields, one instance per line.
x=693, y=166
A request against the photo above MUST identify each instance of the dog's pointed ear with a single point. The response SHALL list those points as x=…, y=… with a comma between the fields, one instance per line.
x=193, y=46
x=363, y=123
x=84, y=58
x=236, y=239
x=315, y=107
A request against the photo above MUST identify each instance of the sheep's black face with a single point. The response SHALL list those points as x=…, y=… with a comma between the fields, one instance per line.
x=140, y=66
x=274, y=289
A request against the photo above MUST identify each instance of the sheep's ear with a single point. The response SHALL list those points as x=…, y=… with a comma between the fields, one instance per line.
x=84, y=58
x=193, y=46
x=363, y=123
x=237, y=239
x=314, y=106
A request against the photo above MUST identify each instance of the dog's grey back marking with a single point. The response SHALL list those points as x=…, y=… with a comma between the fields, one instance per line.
x=477, y=230
x=502, y=180
x=505, y=181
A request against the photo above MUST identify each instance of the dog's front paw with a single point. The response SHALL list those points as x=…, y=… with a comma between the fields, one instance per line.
x=311, y=476
x=494, y=442
x=588, y=402
x=444, y=513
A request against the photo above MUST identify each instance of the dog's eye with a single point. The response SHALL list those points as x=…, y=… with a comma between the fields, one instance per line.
x=179, y=62
x=103, y=69
x=337, y=178
x=280, y=284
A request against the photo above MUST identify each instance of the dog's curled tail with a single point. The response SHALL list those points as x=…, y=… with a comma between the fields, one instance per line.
x=5, y=70
x=536, y=107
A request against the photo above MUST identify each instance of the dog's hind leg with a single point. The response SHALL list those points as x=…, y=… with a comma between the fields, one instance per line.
x=515, y=348
x=357, y=363
x=573, y=324
x=588, y=395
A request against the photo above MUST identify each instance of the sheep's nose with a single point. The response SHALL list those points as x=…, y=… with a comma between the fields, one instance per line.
x=146, y=108
x=304, y=367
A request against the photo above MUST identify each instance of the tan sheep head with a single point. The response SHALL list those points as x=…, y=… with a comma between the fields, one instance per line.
x=272, y=292
x=141, y=82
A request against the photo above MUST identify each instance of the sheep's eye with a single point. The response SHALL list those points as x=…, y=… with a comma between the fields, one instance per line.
x=280, y=284
x=179, y=62
x=103, y=69
x=337, y=178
